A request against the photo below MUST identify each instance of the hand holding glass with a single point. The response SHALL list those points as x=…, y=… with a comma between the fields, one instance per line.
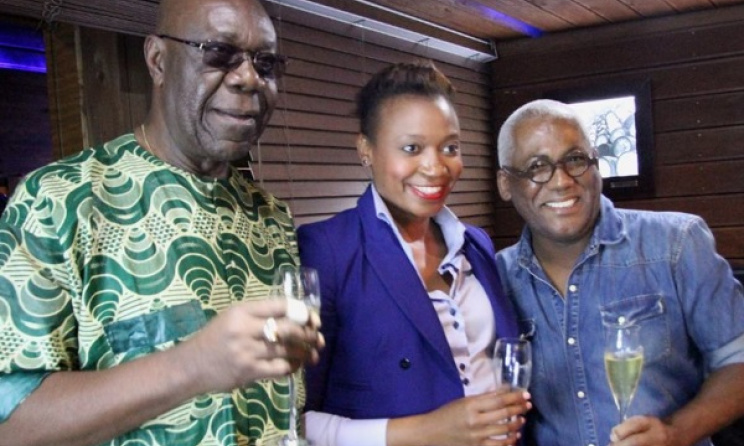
x=300, y=283
x=623, y=358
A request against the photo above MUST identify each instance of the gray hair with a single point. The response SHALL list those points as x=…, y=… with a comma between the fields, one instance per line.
x=541, y=108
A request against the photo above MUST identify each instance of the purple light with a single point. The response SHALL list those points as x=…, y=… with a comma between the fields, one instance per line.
x=16, y=59
x=503, y=19
x=21, y=48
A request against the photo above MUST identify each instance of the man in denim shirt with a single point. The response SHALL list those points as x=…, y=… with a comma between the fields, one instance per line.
x=581, y=264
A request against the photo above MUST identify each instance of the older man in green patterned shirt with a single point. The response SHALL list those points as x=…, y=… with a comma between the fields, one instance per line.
x=133, y=275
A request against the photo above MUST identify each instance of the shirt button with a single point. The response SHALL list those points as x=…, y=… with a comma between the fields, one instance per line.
x=621, y=320
x=456, y=325
x=405, y=363
x=465, y=381
x=591, y=444
x=573, y=288
x=462, y=367
x=571, y=341
x=580, y=394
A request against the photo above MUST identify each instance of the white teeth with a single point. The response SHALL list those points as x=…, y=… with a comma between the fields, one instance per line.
x=429, y=189
x=561, y=204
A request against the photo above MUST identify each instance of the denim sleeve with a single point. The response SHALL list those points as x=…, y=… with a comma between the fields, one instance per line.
x=712, y=299
x=15, y=388
x=731, y=353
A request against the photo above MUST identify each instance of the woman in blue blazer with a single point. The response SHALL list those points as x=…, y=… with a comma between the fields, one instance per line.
x=411, y=298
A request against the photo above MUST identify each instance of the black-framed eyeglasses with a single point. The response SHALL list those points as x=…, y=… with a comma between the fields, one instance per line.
x=541, y=169
x=226, y=57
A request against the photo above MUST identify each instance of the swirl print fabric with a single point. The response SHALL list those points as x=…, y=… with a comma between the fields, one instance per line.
x=112, y=254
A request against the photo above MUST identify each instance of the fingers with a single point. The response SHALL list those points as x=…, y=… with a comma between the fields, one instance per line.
x=507, y=403
x=505, y=433
x=294, y=342
x=253, y=340
x=293, y=310
x=642, y=430
x=285, y=337
x=629, y=427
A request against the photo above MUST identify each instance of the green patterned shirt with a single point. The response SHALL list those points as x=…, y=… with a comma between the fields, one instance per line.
x=112, y=254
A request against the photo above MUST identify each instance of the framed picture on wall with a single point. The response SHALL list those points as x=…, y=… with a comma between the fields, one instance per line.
x=618, y=119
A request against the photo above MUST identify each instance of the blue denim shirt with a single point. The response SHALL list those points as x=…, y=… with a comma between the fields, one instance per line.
x=658, y=269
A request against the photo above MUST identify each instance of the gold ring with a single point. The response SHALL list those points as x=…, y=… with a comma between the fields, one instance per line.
x=270, y=331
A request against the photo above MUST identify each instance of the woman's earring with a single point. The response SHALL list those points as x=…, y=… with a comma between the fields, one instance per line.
x=365, y=161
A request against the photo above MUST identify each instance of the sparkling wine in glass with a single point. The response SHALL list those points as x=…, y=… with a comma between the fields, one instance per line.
x=623, y=358
x=300, y=283
x=512, y=362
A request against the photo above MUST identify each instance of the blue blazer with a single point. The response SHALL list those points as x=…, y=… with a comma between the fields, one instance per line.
x=387, y=355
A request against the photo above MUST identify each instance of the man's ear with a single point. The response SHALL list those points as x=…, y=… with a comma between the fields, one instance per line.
x=502, y=181
x=154, y=58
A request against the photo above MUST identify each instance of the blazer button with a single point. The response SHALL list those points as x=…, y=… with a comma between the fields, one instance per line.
x=405, y=363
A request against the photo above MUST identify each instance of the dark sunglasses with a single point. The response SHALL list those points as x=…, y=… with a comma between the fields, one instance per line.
x=227, y=57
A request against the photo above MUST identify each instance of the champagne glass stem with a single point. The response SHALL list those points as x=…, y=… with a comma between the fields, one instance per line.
x=292, y=434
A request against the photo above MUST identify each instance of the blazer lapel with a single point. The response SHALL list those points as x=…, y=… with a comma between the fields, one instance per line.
x=400, y=280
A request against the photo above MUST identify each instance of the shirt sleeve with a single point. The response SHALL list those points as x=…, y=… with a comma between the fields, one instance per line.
x=731, y=353
x=325, y=429
x=709, y=292
x=36, y=318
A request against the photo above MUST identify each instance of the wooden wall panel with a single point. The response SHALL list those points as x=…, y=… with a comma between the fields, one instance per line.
x=63, y=76
x=116, y=97
x=695, y=70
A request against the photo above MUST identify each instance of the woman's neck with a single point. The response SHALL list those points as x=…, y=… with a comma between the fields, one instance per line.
x=428, y=249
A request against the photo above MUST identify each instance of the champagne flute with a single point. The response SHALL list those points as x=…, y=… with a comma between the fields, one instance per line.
x=512, y=365
x=623, y=358
x=512, y=361
x=300, y=283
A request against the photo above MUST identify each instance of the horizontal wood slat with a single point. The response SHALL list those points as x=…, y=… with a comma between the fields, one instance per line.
x=699, y=112
x=647, y=29
x=693, y=146
x=311, y=189
x=281, y=135
x=627, y=54
x=345, y=156
x=296, y=171
x=303, y=111
x=374, y=57
x=716, y=76
x=702, y=179
x=311, y=87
